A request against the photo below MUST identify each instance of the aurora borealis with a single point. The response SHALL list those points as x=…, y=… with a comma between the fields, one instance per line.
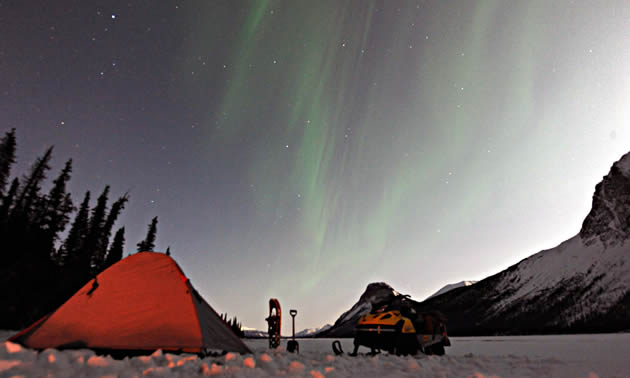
x=302, y=149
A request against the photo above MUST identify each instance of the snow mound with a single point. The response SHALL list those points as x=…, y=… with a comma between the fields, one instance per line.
x=475, y=358
x=269, y=364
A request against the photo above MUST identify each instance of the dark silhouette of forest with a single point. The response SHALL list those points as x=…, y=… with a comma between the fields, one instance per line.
x=236, y=326
x=39, y=270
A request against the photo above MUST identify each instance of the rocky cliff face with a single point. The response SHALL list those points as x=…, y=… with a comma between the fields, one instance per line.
x=582, y=285
x=609, y=219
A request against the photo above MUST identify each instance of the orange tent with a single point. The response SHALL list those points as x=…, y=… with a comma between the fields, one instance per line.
x=140, y=304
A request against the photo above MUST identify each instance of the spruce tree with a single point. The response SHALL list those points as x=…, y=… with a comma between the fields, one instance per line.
x=54, y=211
x=73, y=245
x=116, y=251
x=7, y=201
x=7, y=158
x=28, y=195
x=7, y=253
x=93, y=240
x=98, y=257
x=22, y=218
x=148, y=244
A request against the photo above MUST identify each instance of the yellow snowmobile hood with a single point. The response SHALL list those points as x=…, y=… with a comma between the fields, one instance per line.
x=385, y=320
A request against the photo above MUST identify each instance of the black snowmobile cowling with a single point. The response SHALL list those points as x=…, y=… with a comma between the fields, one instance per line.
x=397, y=328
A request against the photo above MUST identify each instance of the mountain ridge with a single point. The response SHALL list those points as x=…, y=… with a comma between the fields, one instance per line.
x=581, y=285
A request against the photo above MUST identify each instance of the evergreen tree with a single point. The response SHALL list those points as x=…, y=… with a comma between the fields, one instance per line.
x=148, y=244
x=98, y=257
x=21, y=225
x=31, y=183
x=116, y=251
x=7, y=201
x=54, y=211
x=7, y=253
x=73, y=245
x=93, y=240
x=30, y=225
x=168, y=250
x=7, y=158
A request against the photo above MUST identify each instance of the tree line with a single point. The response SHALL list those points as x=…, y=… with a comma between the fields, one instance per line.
x=233, y=323
x=38, y=269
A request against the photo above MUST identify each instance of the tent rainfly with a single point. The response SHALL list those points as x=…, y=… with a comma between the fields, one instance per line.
x=138, y=305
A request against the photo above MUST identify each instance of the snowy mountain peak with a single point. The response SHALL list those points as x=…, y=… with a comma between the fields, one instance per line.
x=582, y=285
x=376, y=292
x=450, y=287
x=312, y=332
x=609, y=219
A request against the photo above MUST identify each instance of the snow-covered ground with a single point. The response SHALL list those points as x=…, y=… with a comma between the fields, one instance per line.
x=520, y=356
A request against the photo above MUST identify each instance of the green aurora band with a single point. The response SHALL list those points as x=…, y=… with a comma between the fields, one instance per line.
x=347, y=155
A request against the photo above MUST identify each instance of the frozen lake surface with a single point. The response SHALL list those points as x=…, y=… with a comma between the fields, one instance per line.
x=605, y=355
x=511, y=356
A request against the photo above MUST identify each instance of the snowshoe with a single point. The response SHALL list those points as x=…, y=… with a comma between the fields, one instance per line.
x=274, y=323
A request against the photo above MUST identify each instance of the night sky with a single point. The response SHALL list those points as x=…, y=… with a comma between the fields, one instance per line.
x=302, y=149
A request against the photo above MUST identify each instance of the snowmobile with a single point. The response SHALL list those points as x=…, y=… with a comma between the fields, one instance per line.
x=397, y=328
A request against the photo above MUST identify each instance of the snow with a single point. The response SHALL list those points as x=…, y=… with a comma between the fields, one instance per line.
x=604, y=267
x=254, y=333
x=451, y=287
x=312, y=331
x=359, y=308
x=522, y=356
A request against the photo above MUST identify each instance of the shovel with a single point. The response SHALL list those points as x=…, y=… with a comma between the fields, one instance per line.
x=293, y=345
